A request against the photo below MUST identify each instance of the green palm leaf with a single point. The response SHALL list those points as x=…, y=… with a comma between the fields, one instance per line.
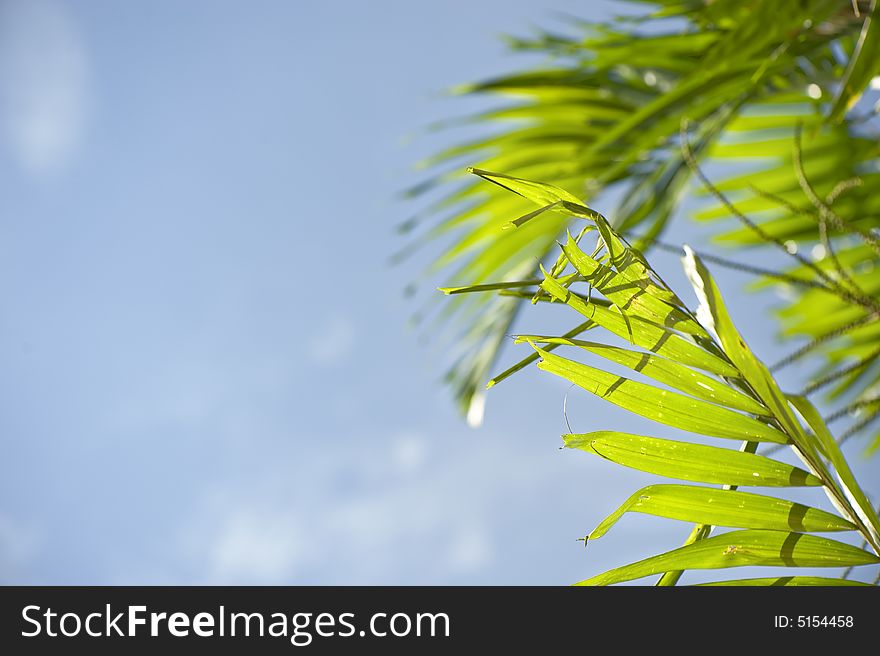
x=662, y=406
x=603, y=115
x=706, y=505
x=788, y=581
x=744, y=548
x=665, y=371
x=636, y=113
x=690, y=462
x=742, y=401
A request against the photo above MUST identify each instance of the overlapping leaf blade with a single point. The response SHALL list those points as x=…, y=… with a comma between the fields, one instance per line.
x=691, y=462
x=754, y=81
x=650, y=336
x=864, y=65
x=705, y=505
x=606, y=110
x=789, y=582
x=750, y=547
x=662, y=406
x=636, y=298
x=664, y=371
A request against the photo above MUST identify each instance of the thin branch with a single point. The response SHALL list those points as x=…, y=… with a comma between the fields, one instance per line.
x=841, y=187
x=782, y=202
x=824, y=210
x=843, y=292
x=843, y=412
x=742, y=266
x=855, y=428
x=859, y=426
x=840, y=373
x=818, y=341
x=754, y=227
x=823, y=224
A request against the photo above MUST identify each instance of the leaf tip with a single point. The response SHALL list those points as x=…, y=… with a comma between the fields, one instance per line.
x=476, y=410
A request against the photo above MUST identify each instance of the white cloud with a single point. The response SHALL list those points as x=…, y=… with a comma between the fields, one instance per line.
x=43, y=84
x=376, y=510
x=18, y=543
x=333, y=344
x=254, y=547
x=470, y=550
x=409, y=452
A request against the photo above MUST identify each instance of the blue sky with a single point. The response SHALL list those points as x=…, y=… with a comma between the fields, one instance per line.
x=204, y=356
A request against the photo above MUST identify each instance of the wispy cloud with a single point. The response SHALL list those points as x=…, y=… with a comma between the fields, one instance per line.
x=398, y=509
x=471, y=549
x=255, y=546
x=333, y=343
x=44, y=80
x=18, y=543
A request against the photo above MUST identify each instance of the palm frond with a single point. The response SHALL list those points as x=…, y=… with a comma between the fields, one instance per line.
x=603, y=116
x=701, y=378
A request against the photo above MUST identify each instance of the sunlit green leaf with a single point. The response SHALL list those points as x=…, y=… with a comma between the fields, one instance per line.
x=705, y=505
x=690, y=462
x=658, y=339
x=533, y=357
x=538, y=192
x=831, y=450
x=714, y=313
x=789, y=581
x=631, y=264
x=744, y=548
x=635, y=298
x=664, y=371
x=661, y=405
x=603, y=113
x=863, y=66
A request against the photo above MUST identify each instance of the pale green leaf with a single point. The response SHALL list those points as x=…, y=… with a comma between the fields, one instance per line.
x=789, y=582
x=713, y=314
x=489, y=286
x=660, y=405
x=633, y=297
x=690, y=462
x=733, y=508
x=540, y=193
x=748, y=547
x=863, y=65
x=831, y=449
x=577, y=330
x=664, y=371
x=645, y=334
x=631, y=264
